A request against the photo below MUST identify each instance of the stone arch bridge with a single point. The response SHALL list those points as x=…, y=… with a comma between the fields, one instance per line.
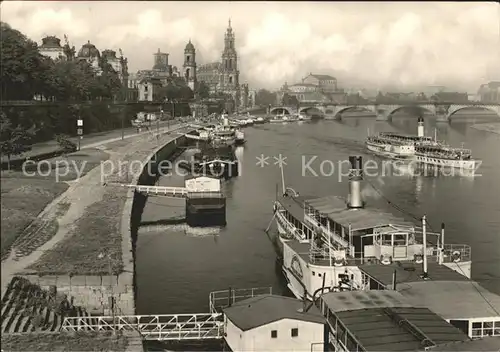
x=384, y=112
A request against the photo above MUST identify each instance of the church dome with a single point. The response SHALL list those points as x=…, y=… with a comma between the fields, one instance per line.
x=189, y=46
x=51, y=42
x=88, y=50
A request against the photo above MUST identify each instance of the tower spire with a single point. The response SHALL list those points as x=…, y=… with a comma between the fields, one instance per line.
x=229, y=22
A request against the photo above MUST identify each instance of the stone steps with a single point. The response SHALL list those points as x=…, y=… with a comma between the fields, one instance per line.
x=26, y=308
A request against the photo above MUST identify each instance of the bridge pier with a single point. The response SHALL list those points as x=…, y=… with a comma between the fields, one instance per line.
x=381, y=115
x=442, y=118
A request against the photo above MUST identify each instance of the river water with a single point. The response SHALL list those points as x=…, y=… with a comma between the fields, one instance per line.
x=178, y=268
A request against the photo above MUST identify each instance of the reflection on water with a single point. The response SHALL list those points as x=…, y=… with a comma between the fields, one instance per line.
x=176, y=272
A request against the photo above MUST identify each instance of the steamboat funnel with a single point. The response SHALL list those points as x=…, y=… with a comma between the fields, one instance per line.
x=420, y=128
x=355, y=178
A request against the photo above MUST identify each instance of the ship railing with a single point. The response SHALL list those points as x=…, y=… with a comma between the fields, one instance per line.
x=311, y=218
x=454, y=253
x=291, y=230
x=225, y=298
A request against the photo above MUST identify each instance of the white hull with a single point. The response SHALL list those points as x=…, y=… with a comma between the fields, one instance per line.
x=228, y=142
x=390, y=151
x=448, y=163
x=197, y=138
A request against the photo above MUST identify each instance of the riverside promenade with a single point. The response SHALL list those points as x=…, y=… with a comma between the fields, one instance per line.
x=89, y=258
x=92, y=140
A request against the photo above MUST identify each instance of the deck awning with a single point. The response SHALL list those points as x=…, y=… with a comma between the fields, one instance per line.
x=335, y=208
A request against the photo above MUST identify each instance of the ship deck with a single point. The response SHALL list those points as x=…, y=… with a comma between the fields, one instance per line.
x=336, y=210
x=302, y=250
x=409, y=272
x=457, y=300
x=294, y=205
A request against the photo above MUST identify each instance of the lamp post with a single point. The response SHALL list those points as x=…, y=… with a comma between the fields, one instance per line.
x=158, y=125
x=79, y=130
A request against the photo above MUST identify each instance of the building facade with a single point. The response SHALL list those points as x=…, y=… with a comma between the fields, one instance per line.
x=325, y=83
x=314, y=88
x=119, y=64
x=91, y=54
x=51, y=47
x=190, y=65
x=490, y=92
x=223, y=76
x=274, y=323
x=148, y=88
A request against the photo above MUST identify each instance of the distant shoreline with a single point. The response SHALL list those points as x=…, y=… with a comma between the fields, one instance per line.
x=488, y=127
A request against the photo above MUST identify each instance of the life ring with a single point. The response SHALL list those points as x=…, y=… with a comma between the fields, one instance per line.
x=418, y=258
x=386, y=259
x=338, y=262
x=455, y=256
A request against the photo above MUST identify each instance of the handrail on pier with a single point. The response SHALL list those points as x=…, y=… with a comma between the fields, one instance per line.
x=160, y=327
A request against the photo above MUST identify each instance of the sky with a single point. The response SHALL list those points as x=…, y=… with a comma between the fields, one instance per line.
x=362, y=44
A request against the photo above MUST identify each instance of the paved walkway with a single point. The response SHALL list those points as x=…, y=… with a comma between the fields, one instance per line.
x=91, y=140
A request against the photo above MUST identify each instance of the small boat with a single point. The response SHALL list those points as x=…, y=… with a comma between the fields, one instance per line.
x=199, y=135
x=214, y=160
x=260, y=120
x=240, y=138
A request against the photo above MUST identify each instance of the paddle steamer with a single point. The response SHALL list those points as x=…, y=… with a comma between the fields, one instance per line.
x=330, y=238
x=421, y=149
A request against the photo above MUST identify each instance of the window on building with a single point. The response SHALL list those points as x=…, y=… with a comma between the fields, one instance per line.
x=274, y=334
x=485, y=328
x=188, y=58
x=295, y=332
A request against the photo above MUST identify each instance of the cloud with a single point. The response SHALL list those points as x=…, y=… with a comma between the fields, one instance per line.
x=378, y=44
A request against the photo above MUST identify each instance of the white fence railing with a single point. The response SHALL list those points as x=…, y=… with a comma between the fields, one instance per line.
x=153, y=327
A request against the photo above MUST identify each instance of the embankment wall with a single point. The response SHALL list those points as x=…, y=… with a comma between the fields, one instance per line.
x=94, y=292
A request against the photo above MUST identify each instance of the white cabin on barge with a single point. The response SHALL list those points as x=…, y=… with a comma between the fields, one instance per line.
x=274, y=323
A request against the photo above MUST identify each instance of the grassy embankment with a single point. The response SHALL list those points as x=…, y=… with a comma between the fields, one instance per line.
x=94, y=244
x=25, y=195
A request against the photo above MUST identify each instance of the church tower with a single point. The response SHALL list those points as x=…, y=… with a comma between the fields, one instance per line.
x=190, y=65
x=229, y=80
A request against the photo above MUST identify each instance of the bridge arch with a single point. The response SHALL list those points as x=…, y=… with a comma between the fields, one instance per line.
x=339, y=110
x=314, y=110
x=281, y=110
x=392, y=109
x=454, y=109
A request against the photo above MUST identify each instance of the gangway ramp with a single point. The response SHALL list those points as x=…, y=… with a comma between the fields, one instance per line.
x=160, y=327
x=175, y=192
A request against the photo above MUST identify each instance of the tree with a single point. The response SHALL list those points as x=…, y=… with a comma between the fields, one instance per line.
x=20, y=62
x=171, y=92
x=203, y=90
x=290, y=100
x=186, y=93
x=15, y=139
x=265, y=97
